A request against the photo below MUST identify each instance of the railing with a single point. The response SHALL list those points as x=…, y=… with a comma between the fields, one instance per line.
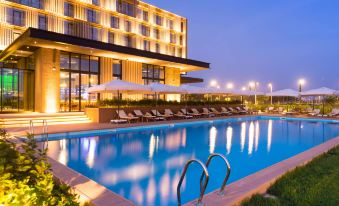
x=203, y=186
x=44, y=134
x=228, y=172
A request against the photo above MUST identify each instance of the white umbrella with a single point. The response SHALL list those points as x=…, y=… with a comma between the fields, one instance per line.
x=119, y=86
x=284, y=93
x=158, y=88
x=322, y=91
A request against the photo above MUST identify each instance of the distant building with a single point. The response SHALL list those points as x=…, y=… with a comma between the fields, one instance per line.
x=51, y=51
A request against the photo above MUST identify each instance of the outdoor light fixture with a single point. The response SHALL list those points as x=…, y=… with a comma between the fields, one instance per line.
x=243, y=88
x=301, y=83
x=270, y=85
x=229, y=86
x=213, y=83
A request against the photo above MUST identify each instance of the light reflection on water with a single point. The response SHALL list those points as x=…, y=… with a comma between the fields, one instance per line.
x=145, y=166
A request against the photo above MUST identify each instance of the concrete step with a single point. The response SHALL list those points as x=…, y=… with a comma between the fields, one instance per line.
x=23, y=121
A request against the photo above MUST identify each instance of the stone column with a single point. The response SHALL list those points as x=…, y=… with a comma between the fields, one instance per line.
x=47, y=80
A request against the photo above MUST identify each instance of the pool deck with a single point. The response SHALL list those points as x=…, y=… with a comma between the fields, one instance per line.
x=89, y=190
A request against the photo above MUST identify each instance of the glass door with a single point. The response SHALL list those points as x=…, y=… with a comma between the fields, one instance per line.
x=9, y=93
x=75, y=92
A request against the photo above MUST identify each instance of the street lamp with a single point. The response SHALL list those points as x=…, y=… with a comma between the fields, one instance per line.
x=213, y=83
x=254, y=86
x=230, y=85
x=301, y=83
x=270, y=85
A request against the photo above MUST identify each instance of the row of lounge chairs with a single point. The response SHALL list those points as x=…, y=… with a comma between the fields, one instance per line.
x=308, y=111
x=155, y=115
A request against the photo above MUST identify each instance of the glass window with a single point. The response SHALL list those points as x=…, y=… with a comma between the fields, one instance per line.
x=157, y=48
x=181, y=40
x=145, y=15
x=93, y=33
x=75, y=61
x=68, y=9
x=115, y=22
x=111, y=37
x=147, y=45
x=126, y=8
x=117, y=71
x=158, y=20
x=64, y=60
x=69, y=28
x=182, y=26
x=156, y=33
x=94, y=64
x=32, y=3
x=173, y=38
x=16, y=17
x=96, y=2
x=128, y=26
x=84, y=63
x=91, y=16
x=145, y=30
x=42, y=22
x=153, y=73
x=170, y=23
x=128, y=41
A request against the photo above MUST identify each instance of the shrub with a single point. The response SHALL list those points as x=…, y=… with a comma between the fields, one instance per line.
x=26, y=178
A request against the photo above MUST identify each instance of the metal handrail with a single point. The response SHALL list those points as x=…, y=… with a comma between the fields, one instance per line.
x=45, y=132
x=209, y=159
x=31, y=127
x=203, y=187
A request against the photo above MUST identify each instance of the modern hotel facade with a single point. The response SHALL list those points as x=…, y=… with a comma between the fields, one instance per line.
x=52, y=51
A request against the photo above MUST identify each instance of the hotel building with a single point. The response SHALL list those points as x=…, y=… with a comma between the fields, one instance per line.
x=52, y=51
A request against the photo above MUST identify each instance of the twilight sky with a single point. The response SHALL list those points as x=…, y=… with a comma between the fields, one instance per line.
x=275, y=41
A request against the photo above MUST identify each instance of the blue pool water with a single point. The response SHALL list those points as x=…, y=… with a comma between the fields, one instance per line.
x=144, y=164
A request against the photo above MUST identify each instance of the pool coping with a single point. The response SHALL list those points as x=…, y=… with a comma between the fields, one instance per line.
x=260, y=181
x=87, y=189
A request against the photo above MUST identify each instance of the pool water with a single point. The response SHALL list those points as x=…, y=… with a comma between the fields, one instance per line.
x=144, y=164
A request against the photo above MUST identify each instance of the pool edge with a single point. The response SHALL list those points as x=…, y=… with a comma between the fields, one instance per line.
x=260, y=181
x=87, y=189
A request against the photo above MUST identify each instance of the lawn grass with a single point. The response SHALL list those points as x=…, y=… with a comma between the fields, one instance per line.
x=316, y=183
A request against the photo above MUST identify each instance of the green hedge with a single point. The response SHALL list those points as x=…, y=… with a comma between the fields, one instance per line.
x=26, y=177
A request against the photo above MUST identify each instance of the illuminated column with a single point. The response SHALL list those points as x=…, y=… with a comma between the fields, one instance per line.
x=47, y=80
x=172, y=77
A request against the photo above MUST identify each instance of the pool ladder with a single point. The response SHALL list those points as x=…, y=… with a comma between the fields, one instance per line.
x=44, y=131
x=204, y=175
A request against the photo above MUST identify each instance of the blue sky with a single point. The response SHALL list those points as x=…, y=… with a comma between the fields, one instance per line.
x=276, y=41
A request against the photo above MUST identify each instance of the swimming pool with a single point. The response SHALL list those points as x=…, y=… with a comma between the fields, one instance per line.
x=144, y=164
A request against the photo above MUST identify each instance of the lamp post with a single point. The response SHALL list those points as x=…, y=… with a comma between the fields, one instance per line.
x=301, y=83
x=271, y=90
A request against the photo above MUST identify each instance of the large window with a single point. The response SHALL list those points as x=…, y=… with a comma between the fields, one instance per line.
x=68, y=9
x=17, y=86
x=42, y=20
x=126, y=8
x=69, y=28
x=158, y=20
x=153, y=73
x=78, y=73
x=145, y=30
x=115, y=22
x=92, y=16
x=32, y=3
x=15, y=17
x=117, y=70
x=128, y=26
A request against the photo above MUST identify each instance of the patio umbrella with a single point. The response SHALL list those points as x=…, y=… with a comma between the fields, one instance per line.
x=158, y=88
x=322, y=91
x=284, y=93
x=119, y=86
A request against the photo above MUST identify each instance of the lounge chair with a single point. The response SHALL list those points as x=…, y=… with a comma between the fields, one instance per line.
x=241, y=111
x=123, y=116
x=316, y=112
x=158, y=114
x=225, y=111
x=186, y=112
x=270, y=110
x=179, y=114
x=205, y=111
x=214, y=111
x=233, y=111
x=195, y=113
x=146, y=116
x=334, y=113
